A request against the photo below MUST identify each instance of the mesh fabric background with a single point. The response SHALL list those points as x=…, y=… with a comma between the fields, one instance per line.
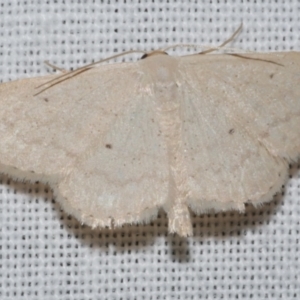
x=46, y=254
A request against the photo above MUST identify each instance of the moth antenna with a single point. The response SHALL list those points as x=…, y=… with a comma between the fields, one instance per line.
x=224, y=43
x=209, y=48
x=47, y=63
x=70, y=74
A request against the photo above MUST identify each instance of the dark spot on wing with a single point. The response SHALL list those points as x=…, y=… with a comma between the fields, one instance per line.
x=271, y=75
x=108, y=146
x=231, y=131
x=46, y=99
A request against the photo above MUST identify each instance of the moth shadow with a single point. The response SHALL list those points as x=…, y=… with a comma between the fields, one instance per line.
x=138, y=238
x=213, y=228
x=208, y=228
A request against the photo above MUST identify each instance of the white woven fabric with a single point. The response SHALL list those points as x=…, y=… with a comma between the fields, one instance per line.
x=46, y=254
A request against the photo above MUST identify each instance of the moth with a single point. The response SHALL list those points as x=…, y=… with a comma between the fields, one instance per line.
x=119, y=142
